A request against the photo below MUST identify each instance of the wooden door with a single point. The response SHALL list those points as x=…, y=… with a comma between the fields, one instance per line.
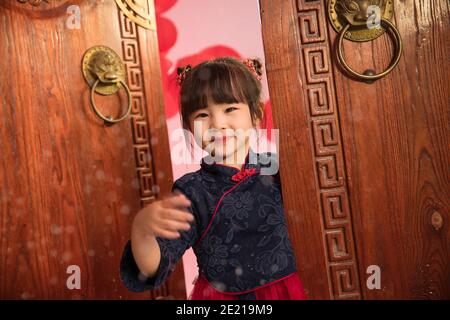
x=69, y=184
x=365, y=168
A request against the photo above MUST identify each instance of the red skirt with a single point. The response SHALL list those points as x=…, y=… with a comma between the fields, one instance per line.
x=287, y=288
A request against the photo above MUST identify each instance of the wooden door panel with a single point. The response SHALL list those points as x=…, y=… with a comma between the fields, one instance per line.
x=301, y=208
x=311, y=153
x=396, y=140
x=70, y=185
x=364, y=167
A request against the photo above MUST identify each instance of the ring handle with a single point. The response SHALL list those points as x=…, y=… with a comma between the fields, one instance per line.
x=369, y=77
x=110, y=120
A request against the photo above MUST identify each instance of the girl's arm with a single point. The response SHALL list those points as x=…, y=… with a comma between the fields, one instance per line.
x=160, y=234
x=146, y=252
x=163, y=218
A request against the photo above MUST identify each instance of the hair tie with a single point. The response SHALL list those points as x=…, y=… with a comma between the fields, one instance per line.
x=182, y=72
x=251, y=65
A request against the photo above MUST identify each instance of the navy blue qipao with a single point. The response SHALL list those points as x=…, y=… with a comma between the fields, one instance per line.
x=239, y=235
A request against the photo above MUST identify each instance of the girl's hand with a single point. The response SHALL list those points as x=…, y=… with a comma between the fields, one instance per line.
x=164, y=218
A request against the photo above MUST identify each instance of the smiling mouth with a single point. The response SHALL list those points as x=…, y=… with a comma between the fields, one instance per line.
x=223, y=139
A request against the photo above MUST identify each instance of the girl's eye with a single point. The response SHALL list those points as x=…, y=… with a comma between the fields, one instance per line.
x=230, y=109
x=201, y=115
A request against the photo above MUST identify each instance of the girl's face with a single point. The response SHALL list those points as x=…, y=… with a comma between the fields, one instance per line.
x=223, y=130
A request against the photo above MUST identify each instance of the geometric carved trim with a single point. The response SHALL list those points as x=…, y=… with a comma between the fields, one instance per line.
x=337, y=241
x=320, y=99
x=344, y=280
x=318, y=87
x=335, y=208
x=131, y=56
x=138, y=11
x=330, y=171
x=139, y=120
x=313, y=28
x=325, y=136
x=316, y=63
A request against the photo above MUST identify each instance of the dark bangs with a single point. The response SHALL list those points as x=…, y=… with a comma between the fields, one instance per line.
x=224, y=80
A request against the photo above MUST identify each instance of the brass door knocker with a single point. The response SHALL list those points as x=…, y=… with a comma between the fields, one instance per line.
x=104, y=71
x=363, y=20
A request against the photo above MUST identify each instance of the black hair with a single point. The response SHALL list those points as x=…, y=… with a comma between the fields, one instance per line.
x=222, y=80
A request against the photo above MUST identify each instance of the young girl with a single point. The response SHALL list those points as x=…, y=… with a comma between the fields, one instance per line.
x=228, y=211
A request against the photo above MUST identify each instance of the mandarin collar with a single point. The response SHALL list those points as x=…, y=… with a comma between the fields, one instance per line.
x=251, y=161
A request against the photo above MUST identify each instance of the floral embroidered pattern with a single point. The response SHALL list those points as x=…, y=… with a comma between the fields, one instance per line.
x=250, y=222
x=279, y=256
x=214, y=255
x=239, y=205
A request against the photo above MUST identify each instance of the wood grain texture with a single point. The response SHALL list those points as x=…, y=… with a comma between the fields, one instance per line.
x=311, y=146
x=69, y=185
x=364, y=167
x=296, y=167
x=397, y=142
